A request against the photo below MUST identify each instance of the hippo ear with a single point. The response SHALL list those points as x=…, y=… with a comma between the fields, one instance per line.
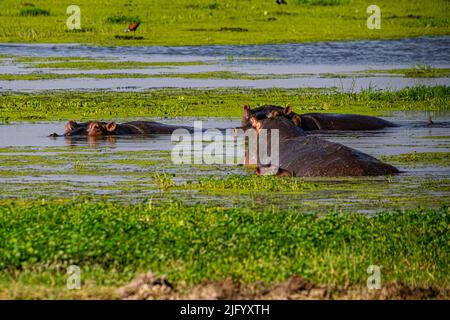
x=297, y=120
x=255, y=123
x=288, y=110
x=246, y=110
x=272, y=114
x=111, y=126
x=70, y=125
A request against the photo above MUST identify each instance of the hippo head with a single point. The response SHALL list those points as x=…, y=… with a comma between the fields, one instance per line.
x=287, y=124
x=73, y=128
x=100, y=129
x=267, y=111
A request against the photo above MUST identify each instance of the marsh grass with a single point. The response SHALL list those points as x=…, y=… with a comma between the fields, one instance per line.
x=251, y=183
x=417, y=71
x=421, y=158
x=212, y=103
x=197, y=75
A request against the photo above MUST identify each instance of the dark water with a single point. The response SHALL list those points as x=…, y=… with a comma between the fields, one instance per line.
x=431, y=50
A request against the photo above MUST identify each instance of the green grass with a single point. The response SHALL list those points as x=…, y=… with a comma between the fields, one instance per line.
x=211, y=103
x=112, y=242
x=197, y=75
x=418, y=71
x=251, y=183
x=210, y=22
x=421, y=158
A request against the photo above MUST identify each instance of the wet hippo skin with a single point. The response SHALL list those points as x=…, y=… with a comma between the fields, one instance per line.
x=310, y=156
x=132, y=128
x=319, y=121
x=100, y=128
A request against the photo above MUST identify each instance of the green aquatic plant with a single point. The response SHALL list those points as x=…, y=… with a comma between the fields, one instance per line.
x=192, y=243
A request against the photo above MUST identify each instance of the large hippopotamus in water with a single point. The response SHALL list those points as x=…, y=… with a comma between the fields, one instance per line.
x=318, y=121
x=309, y=156
x=100, y=128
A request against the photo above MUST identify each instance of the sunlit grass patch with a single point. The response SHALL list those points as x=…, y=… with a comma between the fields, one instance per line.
x=251, y=183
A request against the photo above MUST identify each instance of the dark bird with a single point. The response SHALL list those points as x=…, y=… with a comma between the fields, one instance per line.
x=132, y=27
x=281, y=2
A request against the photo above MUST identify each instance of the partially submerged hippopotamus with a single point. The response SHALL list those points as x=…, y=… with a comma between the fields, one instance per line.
x=305, y=155
x=100, y=128
x=318, y=121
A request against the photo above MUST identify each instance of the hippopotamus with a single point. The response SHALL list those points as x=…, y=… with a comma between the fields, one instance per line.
x=132, y=128
x=319, y=121
x=100, y=128
x=309, y=156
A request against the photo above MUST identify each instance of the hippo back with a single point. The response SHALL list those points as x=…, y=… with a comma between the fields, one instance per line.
x=350, y=122
x=312, y=156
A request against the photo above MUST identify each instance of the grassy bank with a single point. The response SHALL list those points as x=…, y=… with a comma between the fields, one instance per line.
x=111, y=243
x=211, y=103
x=219, y=22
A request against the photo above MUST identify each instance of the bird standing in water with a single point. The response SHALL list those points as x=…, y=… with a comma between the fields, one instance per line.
x=132, y=27
x=281, y=2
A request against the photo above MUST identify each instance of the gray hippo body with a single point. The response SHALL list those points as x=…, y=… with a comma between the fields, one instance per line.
x=319, y=121
x=348, y=122
x=309, y=156
x=99, y=128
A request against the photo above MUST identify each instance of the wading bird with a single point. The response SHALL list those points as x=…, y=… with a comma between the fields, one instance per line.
x=132, y=27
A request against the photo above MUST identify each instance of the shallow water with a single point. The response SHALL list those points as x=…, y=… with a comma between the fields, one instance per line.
x=308, y=59
x=139, y=84
x=123, y=168
x=413, y=134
